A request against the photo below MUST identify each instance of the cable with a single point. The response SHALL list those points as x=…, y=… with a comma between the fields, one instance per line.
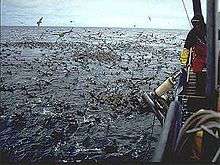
x=186, y=13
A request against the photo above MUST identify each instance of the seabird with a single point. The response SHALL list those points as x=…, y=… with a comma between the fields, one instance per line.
x=61, y=34
x=40, y=21
x=21, y=22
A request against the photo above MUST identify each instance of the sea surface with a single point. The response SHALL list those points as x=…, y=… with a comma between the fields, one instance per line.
x=75, y=94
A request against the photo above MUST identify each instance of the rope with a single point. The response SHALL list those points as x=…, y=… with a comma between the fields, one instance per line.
x=202, y=120
x=187, y=13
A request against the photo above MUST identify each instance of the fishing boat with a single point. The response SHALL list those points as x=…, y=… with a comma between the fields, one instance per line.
x=191, y=122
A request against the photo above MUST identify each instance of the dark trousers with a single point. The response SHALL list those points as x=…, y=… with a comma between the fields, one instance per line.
x=200, y=83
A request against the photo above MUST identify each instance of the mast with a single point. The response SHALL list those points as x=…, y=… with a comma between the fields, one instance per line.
x=211, y=43
x=197, y=7
x=217, y=61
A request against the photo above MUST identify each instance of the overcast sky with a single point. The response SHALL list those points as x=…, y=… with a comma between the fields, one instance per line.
x=165, y=14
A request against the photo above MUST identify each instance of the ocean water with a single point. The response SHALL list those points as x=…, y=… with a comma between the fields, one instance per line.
x=75, y=94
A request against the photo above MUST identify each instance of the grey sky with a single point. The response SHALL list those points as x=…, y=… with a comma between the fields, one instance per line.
x=168, y=14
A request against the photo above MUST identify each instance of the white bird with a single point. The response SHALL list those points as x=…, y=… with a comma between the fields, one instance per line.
x=21, y=22
x=61, y=34
x=40, y=21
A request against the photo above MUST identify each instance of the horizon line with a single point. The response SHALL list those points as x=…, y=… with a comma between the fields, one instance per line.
x=96, y=27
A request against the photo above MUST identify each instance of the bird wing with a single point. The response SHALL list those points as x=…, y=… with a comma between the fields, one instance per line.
x=40, y=19
x=71, y=30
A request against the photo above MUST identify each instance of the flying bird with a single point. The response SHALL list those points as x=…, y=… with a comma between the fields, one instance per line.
x=40, y=21
x=61, y=34
x=21, y=22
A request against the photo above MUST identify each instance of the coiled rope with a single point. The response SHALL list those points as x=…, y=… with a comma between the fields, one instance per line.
x=206, y=120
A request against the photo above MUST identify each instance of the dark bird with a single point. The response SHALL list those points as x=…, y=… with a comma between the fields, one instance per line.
x=40, y=21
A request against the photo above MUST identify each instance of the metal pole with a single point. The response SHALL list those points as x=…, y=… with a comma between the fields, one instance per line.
x=210, y=82
x=189, y=65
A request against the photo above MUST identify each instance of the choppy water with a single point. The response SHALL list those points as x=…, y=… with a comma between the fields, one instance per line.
x=79, y=97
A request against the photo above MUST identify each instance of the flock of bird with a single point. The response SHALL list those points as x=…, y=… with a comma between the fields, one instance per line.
x=61, y=34
x=82, y=91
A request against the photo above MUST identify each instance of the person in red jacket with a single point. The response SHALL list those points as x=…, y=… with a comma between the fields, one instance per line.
x=196, y=40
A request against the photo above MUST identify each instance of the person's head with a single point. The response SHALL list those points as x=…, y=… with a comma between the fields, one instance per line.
x=198, y=22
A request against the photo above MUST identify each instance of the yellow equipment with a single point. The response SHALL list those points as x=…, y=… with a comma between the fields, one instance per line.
x=184, y=56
